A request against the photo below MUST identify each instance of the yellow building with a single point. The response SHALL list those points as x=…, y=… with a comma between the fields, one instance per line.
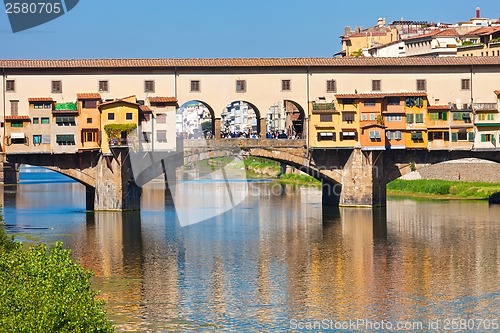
x=325, y=122
x=349, y=120
x=123, y=112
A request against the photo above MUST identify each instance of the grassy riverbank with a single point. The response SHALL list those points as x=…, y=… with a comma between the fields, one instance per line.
x=444, y=189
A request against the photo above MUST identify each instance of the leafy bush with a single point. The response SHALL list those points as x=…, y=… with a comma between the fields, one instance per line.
x=43, y=290
x=114, y=131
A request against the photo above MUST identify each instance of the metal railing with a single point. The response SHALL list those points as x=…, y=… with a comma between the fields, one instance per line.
x=485, y=106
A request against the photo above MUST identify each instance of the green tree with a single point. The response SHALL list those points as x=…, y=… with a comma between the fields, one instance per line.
x=43, y=290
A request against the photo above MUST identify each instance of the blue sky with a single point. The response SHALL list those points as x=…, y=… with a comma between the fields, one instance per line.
x=217, y=28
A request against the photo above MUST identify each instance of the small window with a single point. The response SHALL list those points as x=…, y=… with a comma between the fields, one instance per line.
x=111, y=116
x=327, y=136
x=241, y=86
x=348, y=135
x=285, y=85
x=161, y=118
x=421, y=85
x=331, y=86
x=161, y=136
x=14, y=108
x=10, y=86
x=393, y=101
x=45, y=121
x=325, y=118
x=35, y=121
x=89, y=104
x=462, y=135
x=65, y=139
x=103, y=86
x=128, y=116
x=373, y=116
x=419, y=118
x=149, y=86
x=89, y=120
x=465, y=84
x=37, y=139
x=16, y=124
x=348, y=117
x=369, y=102
x=56, y=87
x=376, y=85
x=364, y=117
x=410, y=118
x=195, y=86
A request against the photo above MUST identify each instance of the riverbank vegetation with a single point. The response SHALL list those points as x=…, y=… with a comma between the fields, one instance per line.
x=445, y=188
x=43, y=290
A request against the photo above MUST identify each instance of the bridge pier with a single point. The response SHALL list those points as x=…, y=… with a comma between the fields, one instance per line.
x=9, y=172
x=115, y=188
x=363, y=184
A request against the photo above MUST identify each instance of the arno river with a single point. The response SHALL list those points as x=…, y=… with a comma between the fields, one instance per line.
x=277, y=262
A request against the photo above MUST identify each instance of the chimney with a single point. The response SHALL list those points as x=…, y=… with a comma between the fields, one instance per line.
x=347, y=31
x=478, y=12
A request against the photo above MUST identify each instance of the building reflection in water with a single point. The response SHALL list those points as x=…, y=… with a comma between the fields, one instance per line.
x=280, y=256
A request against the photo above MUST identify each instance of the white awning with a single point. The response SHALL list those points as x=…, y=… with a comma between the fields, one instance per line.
x=17, y=135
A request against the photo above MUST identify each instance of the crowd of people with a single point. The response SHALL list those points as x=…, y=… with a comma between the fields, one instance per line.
x=240, y=135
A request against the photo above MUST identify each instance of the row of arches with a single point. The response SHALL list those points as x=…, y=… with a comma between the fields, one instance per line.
x=196, y=119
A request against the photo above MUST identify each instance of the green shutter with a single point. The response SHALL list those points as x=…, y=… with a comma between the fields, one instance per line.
x=434, y=116
x=457, y=116
x=445, y=115
x=430, y=137
x=470, y=136
x=409, y=118
x=419, y=118
x=454, y=137
x=446, y=136
x=483, y=137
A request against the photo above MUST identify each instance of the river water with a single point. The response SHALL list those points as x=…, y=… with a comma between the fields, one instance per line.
x=277, y=262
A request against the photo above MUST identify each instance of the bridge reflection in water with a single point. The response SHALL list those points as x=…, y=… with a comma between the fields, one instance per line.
x=276, y=257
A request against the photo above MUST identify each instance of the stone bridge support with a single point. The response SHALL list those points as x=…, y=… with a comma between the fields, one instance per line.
x=363, y=182
x=115, y=188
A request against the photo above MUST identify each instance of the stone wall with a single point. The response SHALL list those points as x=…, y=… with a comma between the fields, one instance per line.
x=472, y=170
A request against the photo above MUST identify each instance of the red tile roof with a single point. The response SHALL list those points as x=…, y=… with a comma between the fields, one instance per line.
x=17, y=118
x=40, y=99
x=438, y=107
x=484, y=31
x=382, y=95
x=250, y=62
x=123, y=100
x=162, y=100
x=437, y=33
x=145, y=108
x=88, y=96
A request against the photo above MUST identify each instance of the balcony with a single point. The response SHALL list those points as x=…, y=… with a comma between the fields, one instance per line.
x=487, y=120
x=394, y=109
x=461, y=107
x=485, y=106
x=120, y=143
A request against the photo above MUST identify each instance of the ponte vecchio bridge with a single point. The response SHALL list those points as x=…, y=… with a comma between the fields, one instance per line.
x=363, y=122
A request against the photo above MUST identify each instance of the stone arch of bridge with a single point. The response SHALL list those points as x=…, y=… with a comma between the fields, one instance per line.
x=208, y=107
x=257, y=113
x=295, y=118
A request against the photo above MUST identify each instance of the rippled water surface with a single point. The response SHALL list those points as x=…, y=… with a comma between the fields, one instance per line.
x=277, y=262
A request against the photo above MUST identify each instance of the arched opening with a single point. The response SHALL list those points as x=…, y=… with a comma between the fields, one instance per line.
x=195, y=119
x=240, y=119
x=276, y=120
x=295, y=116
